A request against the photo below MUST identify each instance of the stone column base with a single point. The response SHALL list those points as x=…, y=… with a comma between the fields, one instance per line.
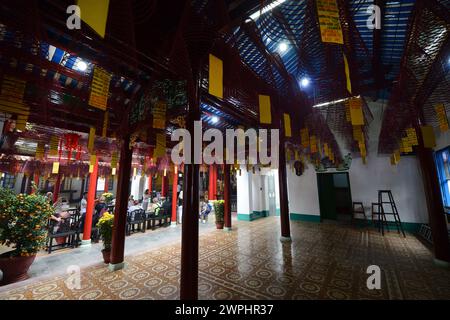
x=86, y=243
x=227, y=229
x=285, y=239
x=117, y=266
x=173, y=224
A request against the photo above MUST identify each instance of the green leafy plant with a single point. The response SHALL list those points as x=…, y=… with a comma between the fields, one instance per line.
x=108, y=197
x=105, y=227
x=219, y=210
x=23, y=222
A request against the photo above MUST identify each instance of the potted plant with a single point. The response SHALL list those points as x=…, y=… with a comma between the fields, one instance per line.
x=219, y=208
x=108, y=197
x=105, y=227
x=23, y=227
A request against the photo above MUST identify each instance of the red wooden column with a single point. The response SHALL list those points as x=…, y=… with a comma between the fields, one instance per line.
x=436, y=214
x=174, y=196
x=106, y=185
x=282, y=177
x=120, y=213
x=92, y=190
x=57, y=188
x=212, y=182
x=227, y=196
x=36, y=178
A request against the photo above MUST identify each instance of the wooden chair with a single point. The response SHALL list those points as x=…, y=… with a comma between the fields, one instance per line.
x=358, y=208
x=68, y=228
x=136, y=217
x=159, y=216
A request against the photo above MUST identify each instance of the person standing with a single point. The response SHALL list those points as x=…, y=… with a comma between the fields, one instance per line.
x=146, y=200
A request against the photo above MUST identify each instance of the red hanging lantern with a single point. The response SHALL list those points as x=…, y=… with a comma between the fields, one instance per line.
x=70, y=144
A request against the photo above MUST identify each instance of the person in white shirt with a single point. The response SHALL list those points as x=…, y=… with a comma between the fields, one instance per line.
x=83, y=204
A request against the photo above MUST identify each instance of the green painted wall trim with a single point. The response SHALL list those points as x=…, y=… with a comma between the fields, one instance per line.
x=277, y=211
x=253, y=216
x=412, y=227
x=304, y=217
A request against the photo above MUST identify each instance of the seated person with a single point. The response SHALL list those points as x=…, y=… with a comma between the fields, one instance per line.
x=154, y=206
x=131, y=201
x=166, y=205
x=205, y=209
x=83, y=203
x=134, y=207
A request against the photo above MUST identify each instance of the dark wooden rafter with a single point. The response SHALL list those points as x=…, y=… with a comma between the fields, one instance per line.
x=377, y=66
x=299, y=49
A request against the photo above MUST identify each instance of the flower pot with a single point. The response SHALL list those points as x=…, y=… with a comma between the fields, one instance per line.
x=106, y=256
x=14, y=269
x=219, y=225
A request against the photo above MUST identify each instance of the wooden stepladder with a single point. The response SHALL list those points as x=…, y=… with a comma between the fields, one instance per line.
x=387, y=207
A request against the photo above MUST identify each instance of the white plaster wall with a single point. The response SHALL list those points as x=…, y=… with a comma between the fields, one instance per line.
x=244, y=192
x=259, y=192
x=302, y=192
x=404, y=180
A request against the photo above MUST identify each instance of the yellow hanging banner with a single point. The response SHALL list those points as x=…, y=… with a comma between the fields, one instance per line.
x=348, y=118
x=21, y=122
x=54, y=145
x=347, y=74
x=40, y=150
x=313, y=144
x=11, y=96
x=406, y=146
x=356, y=112
x=91, y=140
x=330, y=25
x=114, y=160
x=304, y=134
x=95, y=14
x=287, y=125
x=429, y=139
x=100, y=89
x=55, y=168
x=412, y=136
x=159, y=115
x=358, y=134
x=215, y=76
x=265, y=114
x=396, y=156
x=160, y=149
x=442, y=117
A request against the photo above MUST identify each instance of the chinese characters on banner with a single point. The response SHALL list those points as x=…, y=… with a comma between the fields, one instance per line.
x=442, y=117
x=100, y=89
x=330, y=25
x=159, y=115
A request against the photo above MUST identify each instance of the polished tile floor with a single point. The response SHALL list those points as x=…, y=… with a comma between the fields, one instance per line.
x=324, y=261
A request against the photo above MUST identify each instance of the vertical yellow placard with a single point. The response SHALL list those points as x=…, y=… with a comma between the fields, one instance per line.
x=40, y=150
x=442, y=117
x=159, y=115
x=287, y=125
x=91, y=139
x=160, y=149
x=100, y=89
x=304, y=134
x=265, y=114
x=313, y=144
x=215, y=76
x=429, y=139
x=54, y=143
x=55, y=168
x=356, y=112
x=95, y=14
x=21, y=122
x=330, y=25
x=114, y=157
x=347, y=74
x=412, y=136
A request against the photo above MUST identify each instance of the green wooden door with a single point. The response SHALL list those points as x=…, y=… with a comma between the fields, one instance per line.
x=327, y=197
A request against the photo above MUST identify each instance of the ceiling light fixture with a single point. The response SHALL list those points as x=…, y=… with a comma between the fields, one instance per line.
x=304, y=82
x=267, y=8
x=325, y=104
x=81, y=65
x=214, y=119
x=282, y=47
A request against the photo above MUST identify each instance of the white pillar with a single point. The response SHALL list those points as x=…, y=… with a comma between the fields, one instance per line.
x=244, y=195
